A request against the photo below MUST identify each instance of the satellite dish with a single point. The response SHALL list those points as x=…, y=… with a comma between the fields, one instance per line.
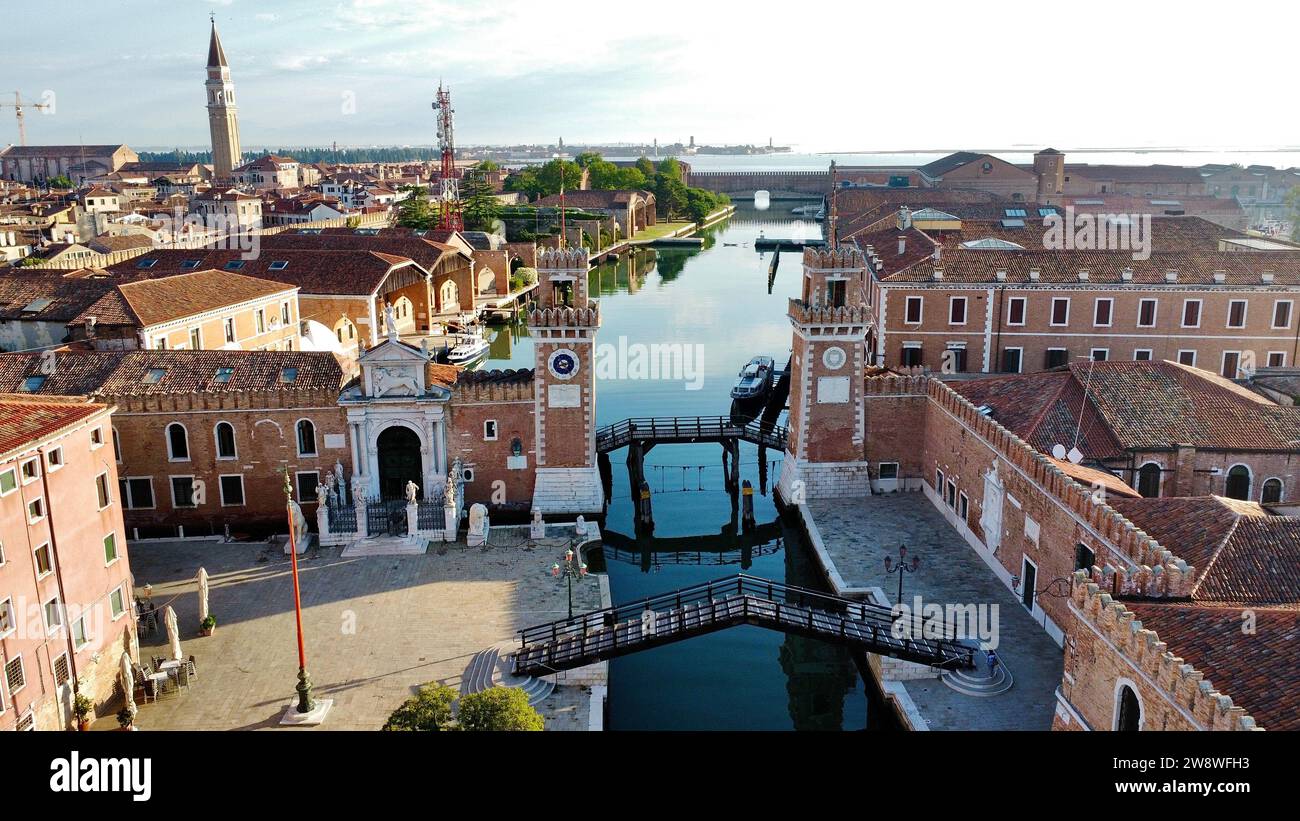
x=1075, y=455
x=1058, y=451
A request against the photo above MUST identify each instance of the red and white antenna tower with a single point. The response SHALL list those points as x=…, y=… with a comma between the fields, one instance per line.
x=449, y=208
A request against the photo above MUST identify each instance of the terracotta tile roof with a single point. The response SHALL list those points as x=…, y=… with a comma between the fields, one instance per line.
x=24, y=420
x=1243, y=554
x=314, y=271
x=161, y=300
x=1164, y=174
x=1139, y=406
x=1259, y=670
x=1092, y=477
x=127, y=373
x=47, y=296
x=952, y=162
x=55, y=151
x=594, y=198
x=121, y=242
x=426, y=253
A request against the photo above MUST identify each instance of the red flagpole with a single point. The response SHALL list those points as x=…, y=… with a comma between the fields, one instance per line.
x=304, y=683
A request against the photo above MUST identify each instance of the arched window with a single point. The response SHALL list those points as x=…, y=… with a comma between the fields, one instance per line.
x=225, y=433
x=1272, y=492
x=1149, y=480
x=178, y=443
x=1128, y=710
x=306, y=438
x=1238, y=484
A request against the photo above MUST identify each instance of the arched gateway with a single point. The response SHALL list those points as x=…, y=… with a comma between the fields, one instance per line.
x=398, y=455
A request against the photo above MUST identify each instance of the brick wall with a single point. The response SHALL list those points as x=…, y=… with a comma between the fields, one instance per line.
x=498, y=478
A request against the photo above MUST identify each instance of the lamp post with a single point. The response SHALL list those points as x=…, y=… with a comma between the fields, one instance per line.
x=572, y=567
x=305, y=703
x=901, y=568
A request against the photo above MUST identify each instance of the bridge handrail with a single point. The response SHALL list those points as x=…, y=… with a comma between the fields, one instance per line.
x=676, y=427
x=877, y=615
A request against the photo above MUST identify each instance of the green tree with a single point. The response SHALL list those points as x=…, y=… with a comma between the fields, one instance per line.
x=646, y=166
x=550, y=175
x=429, y=709
x=481, y=206
x=416, y=211
x=60, y=181
x=499, y=708
x=671, y=167
x=487, y=166
x=524, y=181
x=670, y=195
x=700, y=203
x=587, y=158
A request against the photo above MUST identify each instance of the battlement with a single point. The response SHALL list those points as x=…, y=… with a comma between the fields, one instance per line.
x=806, y=314
x=1183, y=684
x=507, y=385
x=562, y=259
x=565, y=317
x=839, y=259
x=1155, y=572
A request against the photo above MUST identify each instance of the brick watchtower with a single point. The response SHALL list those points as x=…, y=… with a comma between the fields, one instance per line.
x=563, y=325
x=223, y=122
x=826, y=449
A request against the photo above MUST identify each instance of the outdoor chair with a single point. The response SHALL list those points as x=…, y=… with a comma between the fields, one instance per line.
x=183, y=676
x=193, y=668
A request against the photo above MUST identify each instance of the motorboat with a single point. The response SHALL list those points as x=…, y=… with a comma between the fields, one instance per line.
x=469, y=351
x=755, y=379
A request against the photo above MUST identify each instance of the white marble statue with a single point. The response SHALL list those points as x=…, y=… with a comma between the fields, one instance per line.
x=537, y=528
x=478, y=525
x=358, y=492
x=299, y=524
x=338, y=476
x=412, y=490
x=390, y=320
x=580, y=526
x=322, y=494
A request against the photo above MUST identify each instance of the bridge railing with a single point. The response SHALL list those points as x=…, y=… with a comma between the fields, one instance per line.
x=877, y=615
x=687, y=428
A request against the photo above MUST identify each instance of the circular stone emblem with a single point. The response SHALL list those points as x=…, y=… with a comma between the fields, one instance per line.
x=833, y=358
x=563, y=363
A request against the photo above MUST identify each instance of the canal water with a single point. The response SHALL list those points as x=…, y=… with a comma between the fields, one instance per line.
x=713, y=302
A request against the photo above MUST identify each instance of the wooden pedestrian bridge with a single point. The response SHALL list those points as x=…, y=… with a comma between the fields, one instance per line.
x=729, y=602
x=649, y=431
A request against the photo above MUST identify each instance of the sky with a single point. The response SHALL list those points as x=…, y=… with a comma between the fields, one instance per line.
x=821, y=76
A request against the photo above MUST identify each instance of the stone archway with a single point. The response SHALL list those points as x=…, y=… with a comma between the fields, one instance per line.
x=400, y=461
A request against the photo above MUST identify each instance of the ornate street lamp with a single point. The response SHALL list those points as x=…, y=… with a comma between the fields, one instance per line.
x=572, y=568
x=901, y=568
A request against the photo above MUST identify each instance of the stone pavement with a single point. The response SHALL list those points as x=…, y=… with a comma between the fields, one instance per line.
x=859, y=533
x=377, y=627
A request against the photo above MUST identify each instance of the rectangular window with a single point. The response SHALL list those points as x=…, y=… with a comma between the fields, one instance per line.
x=8, y=481
x=53, y=615
x=44, y=564
x=284, y=314
x=230, y=329
x=957, y=310
x=951, y=496
x=110, y=548
x=54, y=459
x=1016, y=311
x=137, y=492
x=117, y=603
x=1191, y=313
x=1011, y=360
x=62, y=675
x=1100, y=354
x=15, y=677
x=1282, y=313
x=7, y=623
x=196, y=339
x=1056, y=357
x=1102, y=311
x=1061, y=311
x=1231, y=359
x=96, y=438
x=913, y=316
x=1084, y=557
x=1187, y=358
x=938, y=482
x=888, y=470
x=912, y=356
x=183, y=492
x=259, y=318
x=489, y=430
x=31, y=470
x=307, y=482
x=1142, y=355
x=1147, y=313
x=35, y=510
x=963, y=506
x=79, y=638
x=101, y=490
x=232, y=490
x=1277, y=359
x=1237, y=313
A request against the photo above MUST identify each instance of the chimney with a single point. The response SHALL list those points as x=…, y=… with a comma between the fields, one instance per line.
x=902, y=245
x=1083, y=276
x=904, y=218
x=938, y=274
x=1220, y=277
x=938, y=252
x=90, y=327
x=1033, y=274
x=1171, y=275
x=1266, y=277
x=1126, y=274
x=1001, y=275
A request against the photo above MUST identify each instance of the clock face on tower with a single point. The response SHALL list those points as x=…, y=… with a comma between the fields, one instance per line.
x=563, y=363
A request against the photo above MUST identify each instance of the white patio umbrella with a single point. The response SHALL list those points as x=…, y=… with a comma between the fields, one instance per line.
x=203, y=595
x=173, y=634
x=128, y=682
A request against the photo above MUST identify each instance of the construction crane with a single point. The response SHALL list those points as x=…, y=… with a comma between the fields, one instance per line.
x=449, y=208
x=17, y=106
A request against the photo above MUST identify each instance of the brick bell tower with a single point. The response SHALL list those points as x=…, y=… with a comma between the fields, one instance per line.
x=825, y=455
x=563, y=325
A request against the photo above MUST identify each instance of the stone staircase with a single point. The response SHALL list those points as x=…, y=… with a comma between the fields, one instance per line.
x=978, y=683
x=489, y=669
x=568, y=490
x=387, y=546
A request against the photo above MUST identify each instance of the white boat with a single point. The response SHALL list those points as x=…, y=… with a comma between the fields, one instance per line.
x=469, y=351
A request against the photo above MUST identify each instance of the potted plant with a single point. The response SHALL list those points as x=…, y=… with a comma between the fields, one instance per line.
x=126, y=718
x=208, y=625
x=82, y=707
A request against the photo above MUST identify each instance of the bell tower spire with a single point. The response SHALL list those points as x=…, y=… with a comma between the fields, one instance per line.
x=222, y=113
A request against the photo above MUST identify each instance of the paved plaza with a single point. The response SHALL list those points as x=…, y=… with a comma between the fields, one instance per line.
x=377, y=627
x=859, y=533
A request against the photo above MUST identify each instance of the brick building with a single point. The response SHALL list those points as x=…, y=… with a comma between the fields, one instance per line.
x=1164, y=428
x=37, y=163
x=199, y=438
x=65, y=581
